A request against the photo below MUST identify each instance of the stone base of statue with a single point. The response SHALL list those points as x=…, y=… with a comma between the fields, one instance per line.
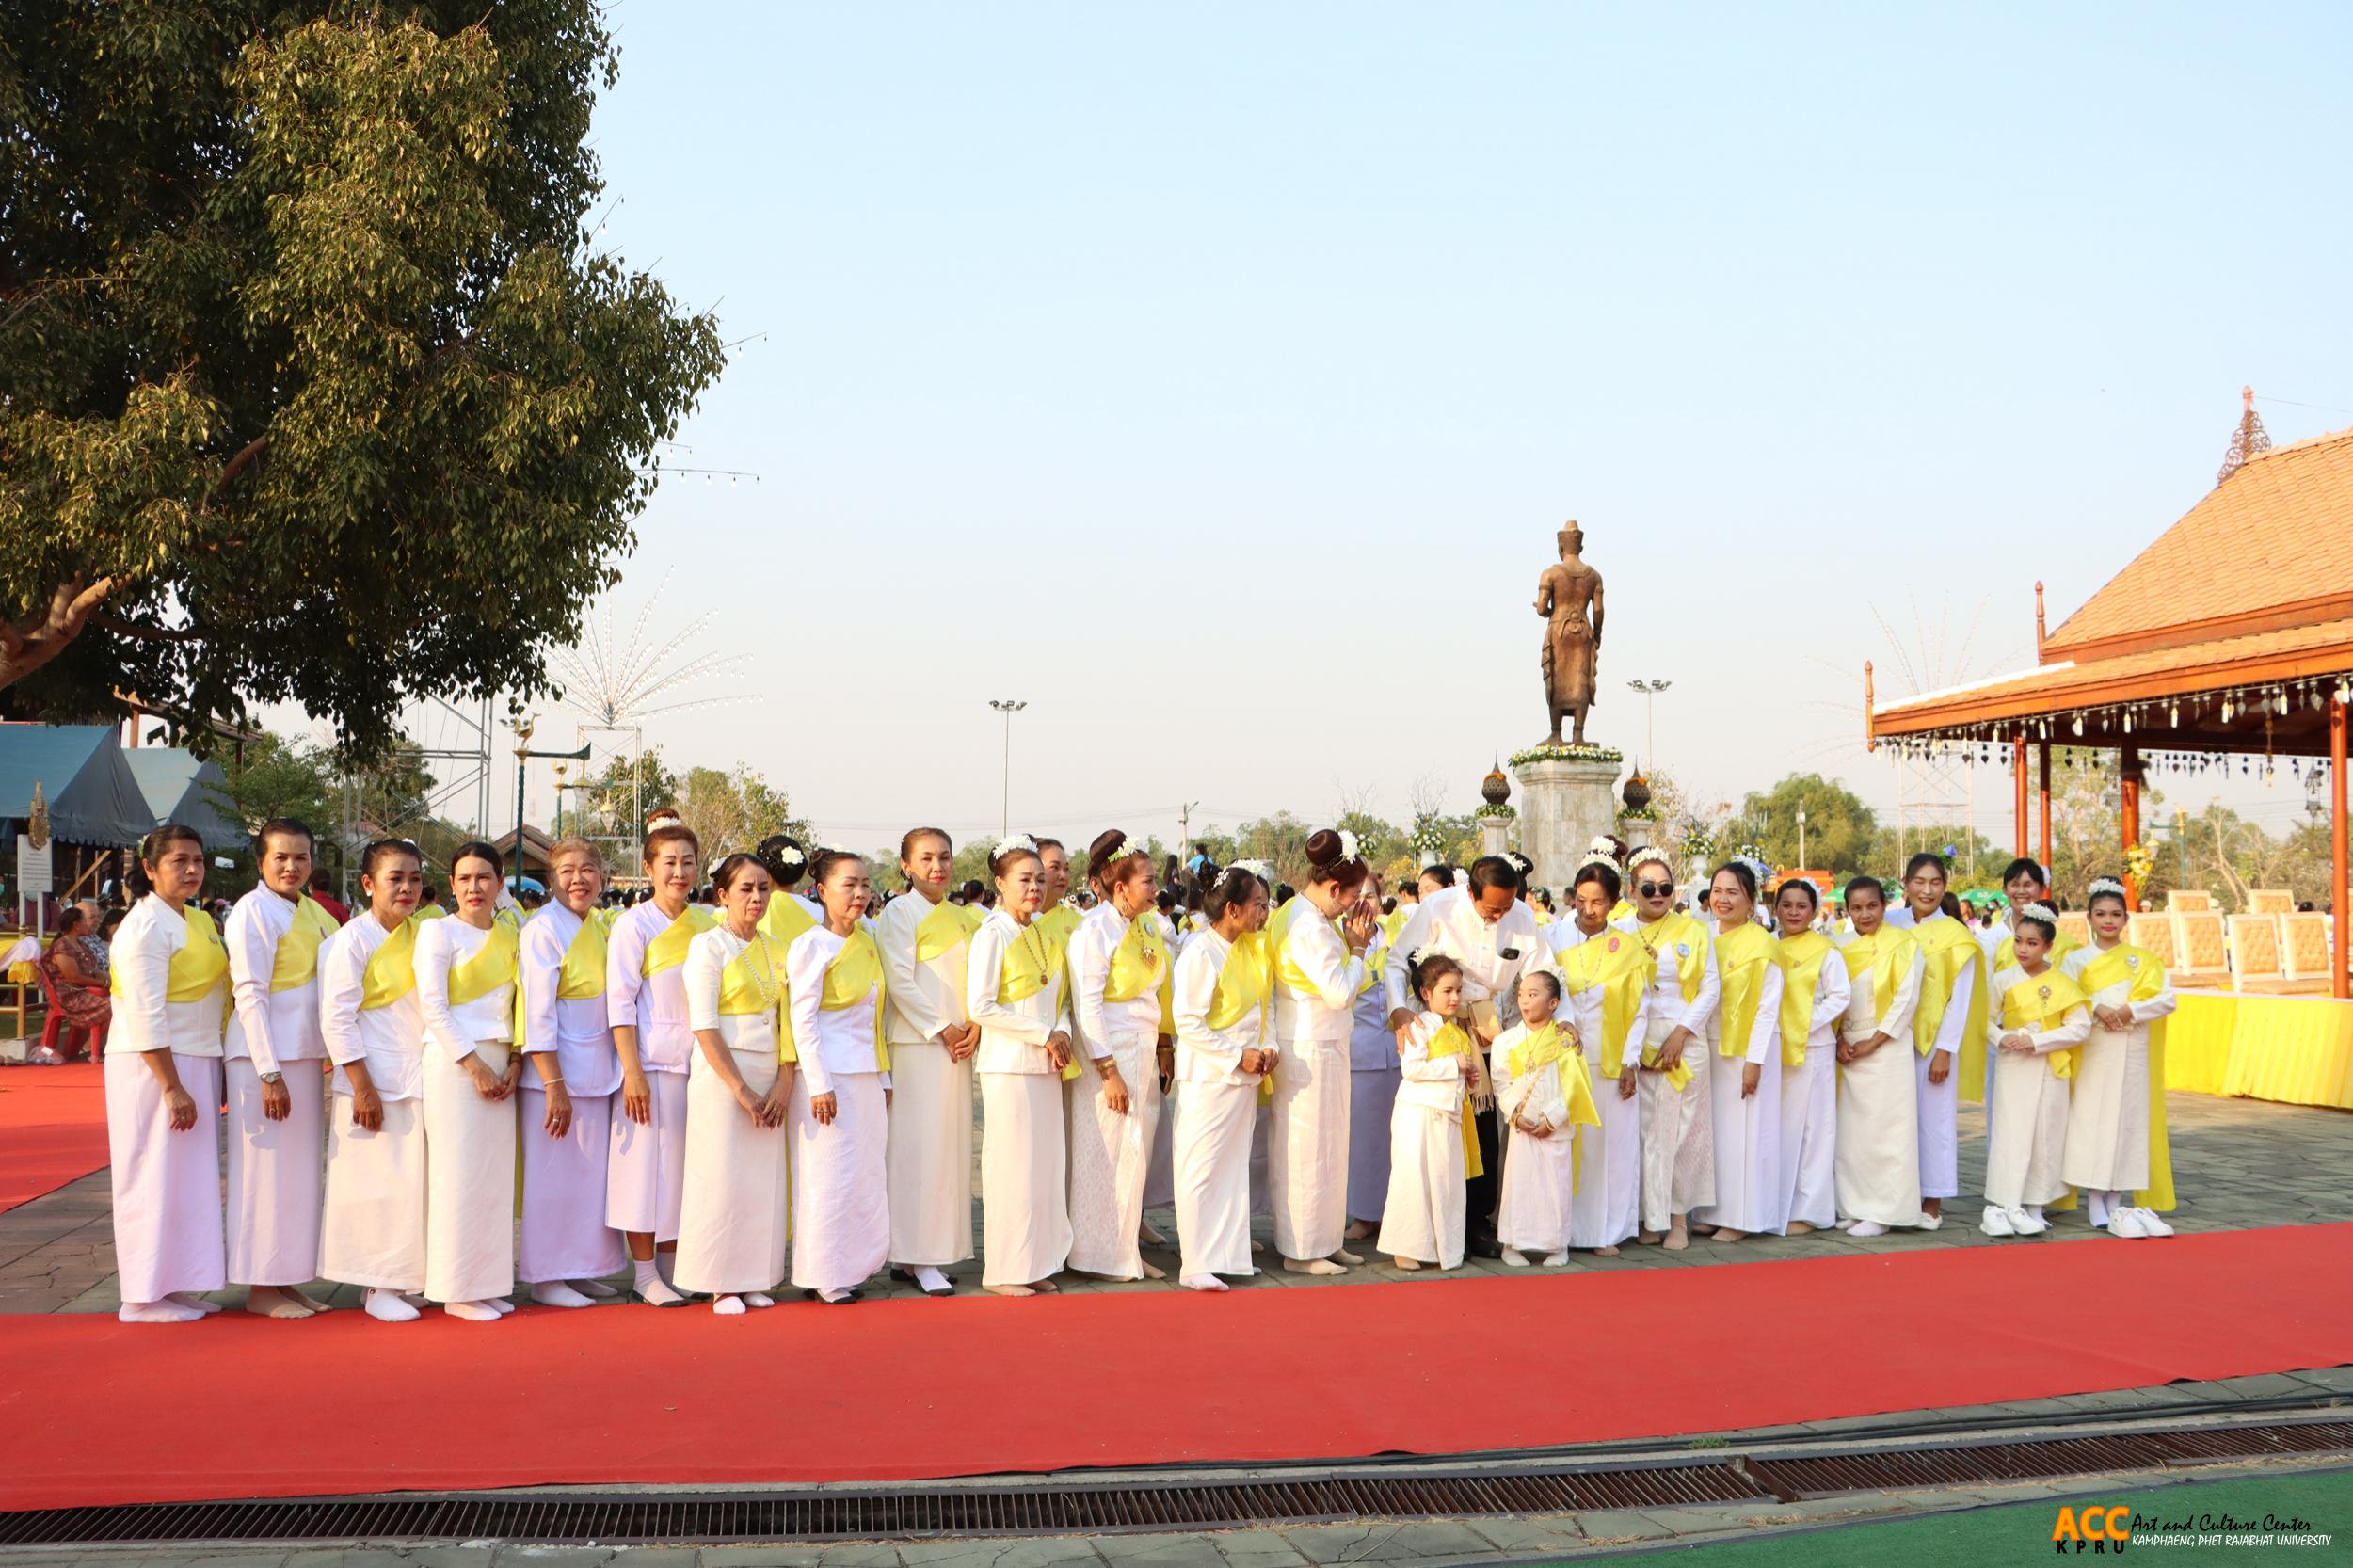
x=1568, y=798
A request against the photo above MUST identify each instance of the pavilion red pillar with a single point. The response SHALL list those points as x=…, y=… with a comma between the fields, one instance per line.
x=2128, y=796
x=2042, y=767
x=2338, y=913
x=2018, y=804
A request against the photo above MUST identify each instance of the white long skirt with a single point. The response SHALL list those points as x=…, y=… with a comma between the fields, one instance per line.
x=930, y=1155
x=1747, y=1134
x=564, y=1233
x=1307, y=1148
x=469, y=1181
x=277, y=1177
x=1538, y=1175
x=1422, y=1216
x=2108, y=1122
x=1877, y=1158
x=840, y=1184
x=1160, y=1177
x=1809, y=1137
x=1677, y=1136
x=732, y=1212
x=2024, y=1152
x=1213, y=1139
x=372, y=1229
x=644, y=1170
x=1111, y=1156
x=1938, y=1106
x=1371, y=1095
x=167, y=1184
x=1262, y=1142
x=1025, y=1212
x=1608, y=1206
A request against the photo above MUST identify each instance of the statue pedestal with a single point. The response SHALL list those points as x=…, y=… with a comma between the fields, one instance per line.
x=1568, y=798
x=1494, y=833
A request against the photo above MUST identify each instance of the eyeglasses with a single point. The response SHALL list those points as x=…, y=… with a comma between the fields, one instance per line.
x=1655, y=890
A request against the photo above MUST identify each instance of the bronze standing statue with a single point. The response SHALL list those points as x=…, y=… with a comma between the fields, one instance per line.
x=1571, y=636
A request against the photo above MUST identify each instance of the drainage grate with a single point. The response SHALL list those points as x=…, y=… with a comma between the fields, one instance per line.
x=865, y=1514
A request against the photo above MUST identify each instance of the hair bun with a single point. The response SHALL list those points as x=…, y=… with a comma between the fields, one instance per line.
x=1323, y=848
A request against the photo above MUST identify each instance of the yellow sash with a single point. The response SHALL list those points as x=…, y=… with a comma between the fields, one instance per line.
x=855, y=974
x=1244, y=981
x=1059, y=922
x=1742, y=955
x=492, y=966
x=2147, y=973
x=947, y=928
x=197, y=967
x=1677, y=937
x=1140, y=964
x=1883, y=955
x=1800, y=958
x=2038, y=1001
x=391, y=972
x=297, y=960
x=1033, y=960
x=667, y=951
x=752, y=982
x=1549, y=1046
x=1621, y=967
x=785, y=919
x=2005, y=951
x=1452, y=1040
x=1394, y=922
x=580, y=976
x=1947, y=949
x=1623, y=910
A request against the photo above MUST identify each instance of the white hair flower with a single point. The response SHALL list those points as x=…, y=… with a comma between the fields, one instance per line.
x=2037, y=912
x=2105, y=885
x=1649, y=857
x=1127, y=847
x=1348, y=846
x=1599, y=858
x=1423, y=953
x=789, y=855
x=1259, y=868
x=1603, y=844
x=1016, y=841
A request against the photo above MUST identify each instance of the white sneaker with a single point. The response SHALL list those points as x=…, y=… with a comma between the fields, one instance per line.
x=2126, y=1223
x=1929, y=1222
x=1995, y=1221
x=2025, y=1224
x=2151, y=1223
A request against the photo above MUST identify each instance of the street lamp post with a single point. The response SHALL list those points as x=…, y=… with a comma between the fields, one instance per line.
x=1004, y=808
x=524, y=725
x=1650, y=690
x=1801, y=861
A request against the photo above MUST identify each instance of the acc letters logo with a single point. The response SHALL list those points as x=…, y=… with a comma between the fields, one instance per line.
x=2091, y=1529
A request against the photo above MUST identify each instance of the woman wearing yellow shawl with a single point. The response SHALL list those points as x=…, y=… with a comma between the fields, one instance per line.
x=2116, y=1143
x=465, y=968
x=1744, y=1066
x=170, y=978
x=1814, y=997
x=2039, y=1016
x=1606, y=972
x=842, y=1103
x=1678, y=1128
x=926, y=943
x=1219, y=1002
x=1016, y=988
x=1878, y=1114
x=1947, y=1029
x=1317, y=942
x=1120, y=968
x=1422, y=1221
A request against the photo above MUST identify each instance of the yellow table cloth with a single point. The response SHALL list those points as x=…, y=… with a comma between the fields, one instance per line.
x=2294, y=1049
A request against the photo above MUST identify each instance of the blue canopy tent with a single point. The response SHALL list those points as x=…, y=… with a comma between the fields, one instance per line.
x=180, y=788
x=94, y=796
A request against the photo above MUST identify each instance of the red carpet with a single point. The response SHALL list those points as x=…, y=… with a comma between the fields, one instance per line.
x=241, y=1407
x=53, y=1129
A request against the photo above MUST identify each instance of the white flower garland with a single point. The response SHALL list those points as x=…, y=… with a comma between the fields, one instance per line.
x=2037, y=912
x=1017, y=841
x=1348, y=846
x=2105, y=885
x=1647, y=856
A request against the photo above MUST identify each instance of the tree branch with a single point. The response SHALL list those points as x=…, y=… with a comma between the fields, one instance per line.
x=26, y=646
x=235, y=465
x=145, y=633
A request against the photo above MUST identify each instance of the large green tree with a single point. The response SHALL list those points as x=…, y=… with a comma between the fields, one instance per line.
x=314, y=386
x=1840, y=830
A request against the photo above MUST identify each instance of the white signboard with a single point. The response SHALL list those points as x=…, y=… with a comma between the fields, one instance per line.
x=32, y=868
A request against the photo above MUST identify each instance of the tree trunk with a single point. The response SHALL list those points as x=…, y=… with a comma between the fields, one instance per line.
x=25, y=646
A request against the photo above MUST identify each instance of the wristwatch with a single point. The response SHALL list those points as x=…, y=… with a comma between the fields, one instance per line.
x=273, y=1080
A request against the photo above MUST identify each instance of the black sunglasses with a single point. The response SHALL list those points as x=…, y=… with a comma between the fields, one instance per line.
x=1653, y=889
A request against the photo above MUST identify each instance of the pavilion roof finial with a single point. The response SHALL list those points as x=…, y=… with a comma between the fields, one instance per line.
x=2248, y=439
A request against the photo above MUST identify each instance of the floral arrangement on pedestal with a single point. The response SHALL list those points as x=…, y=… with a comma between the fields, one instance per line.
x=1429, y=835
x=1565, y=752
x=2140, y=862
x=1499, y=809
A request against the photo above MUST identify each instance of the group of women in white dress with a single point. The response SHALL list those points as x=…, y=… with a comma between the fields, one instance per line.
x=780, y=1088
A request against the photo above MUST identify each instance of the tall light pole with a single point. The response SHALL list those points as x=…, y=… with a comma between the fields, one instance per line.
x=1801, y=861
x=1004, y=808
x=1650, y=690
x=524, y=724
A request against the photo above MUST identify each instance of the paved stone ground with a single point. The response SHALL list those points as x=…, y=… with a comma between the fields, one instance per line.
x=2238, y=1165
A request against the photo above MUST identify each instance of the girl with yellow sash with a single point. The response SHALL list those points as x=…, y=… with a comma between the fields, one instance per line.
x=2041, y=1018
x=1744, y=1068
x=731, y=1215
x=1219, y=1001
x=163, y=1087
x=1545, y=1094
x=466, y=971
x=1016, y=990
x=2117, y=1153
x=1877, y=1157
x=277, y=1090
x=1814, y=994
x=372, y=1234
x=1120, y=979
x=1672, y=1090
x=1317, y=944
x=926, y=943
x=1605, y=975
x=567, y=1127
x=645, y=1000
x=1948, y=1030
x=840, y=1113
x=1422, y=1221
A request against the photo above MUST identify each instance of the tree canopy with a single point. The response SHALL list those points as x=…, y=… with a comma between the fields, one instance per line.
x=313, y=387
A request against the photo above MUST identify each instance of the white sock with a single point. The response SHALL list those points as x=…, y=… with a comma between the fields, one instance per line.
x=1202, y=1282
x=499, y=1304
x=756, y=1299
x=727, y=1306
x=2096, y=1206
x=651, y=1285
x=1514, y=1258
x=1866, y=1229
x=387, y=1306
x=1554, y=1260
x=2034, y=1211
x=156, y=1312
x=931, y=1279
x=471, y=1312
x=594, y=1289
x=194, y=1303
x=555, y=1292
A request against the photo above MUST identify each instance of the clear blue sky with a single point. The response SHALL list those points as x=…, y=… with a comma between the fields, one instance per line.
x=1214, y=378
